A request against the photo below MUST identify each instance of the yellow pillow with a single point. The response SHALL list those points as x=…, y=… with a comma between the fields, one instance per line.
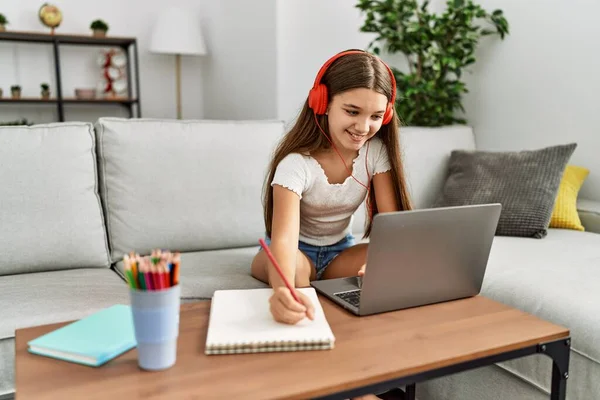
x=564, y=214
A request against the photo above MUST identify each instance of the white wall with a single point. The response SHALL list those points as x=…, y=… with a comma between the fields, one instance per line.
x=308, y=33
x=240, y=75
x=540, y=85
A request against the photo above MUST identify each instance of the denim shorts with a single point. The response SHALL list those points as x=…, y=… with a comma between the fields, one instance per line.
x=322, y=256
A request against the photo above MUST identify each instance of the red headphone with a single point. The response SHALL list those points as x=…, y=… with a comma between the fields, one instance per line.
x=318, y=96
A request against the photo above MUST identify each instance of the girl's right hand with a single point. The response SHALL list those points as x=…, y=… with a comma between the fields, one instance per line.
x=287, y=310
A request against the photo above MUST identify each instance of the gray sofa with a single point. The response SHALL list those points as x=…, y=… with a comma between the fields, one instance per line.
x=75, y=197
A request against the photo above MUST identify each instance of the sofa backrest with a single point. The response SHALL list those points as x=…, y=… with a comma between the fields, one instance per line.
x=50, y=211
x=183, y=185
x=425, y=153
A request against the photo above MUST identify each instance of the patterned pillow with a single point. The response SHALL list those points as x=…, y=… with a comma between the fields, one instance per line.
x=525, y=183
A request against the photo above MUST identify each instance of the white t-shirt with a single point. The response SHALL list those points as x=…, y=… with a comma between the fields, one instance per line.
x=326, y=209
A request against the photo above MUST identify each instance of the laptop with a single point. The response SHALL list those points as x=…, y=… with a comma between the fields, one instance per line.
x=419, y=257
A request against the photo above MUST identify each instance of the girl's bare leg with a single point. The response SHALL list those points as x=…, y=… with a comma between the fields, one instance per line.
x=347, y=263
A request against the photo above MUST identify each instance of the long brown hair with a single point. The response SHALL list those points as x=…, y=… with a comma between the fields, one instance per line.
x=351, y=71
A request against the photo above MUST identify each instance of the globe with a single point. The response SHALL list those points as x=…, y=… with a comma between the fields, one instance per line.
x=50, y=16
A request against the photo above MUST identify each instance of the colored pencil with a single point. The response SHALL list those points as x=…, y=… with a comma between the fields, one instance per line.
x=156, y=271
x=279, y=271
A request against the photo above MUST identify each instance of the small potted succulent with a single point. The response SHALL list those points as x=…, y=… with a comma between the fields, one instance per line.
x=15, y=91
x=99, y=28
x=45, y=91
x=3, y=23
x=0, y=92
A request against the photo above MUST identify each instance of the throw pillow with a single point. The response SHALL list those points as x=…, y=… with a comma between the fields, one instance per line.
x=565, y=215
x=524, y=182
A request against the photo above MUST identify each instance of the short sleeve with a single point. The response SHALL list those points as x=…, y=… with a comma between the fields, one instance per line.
x=378, y=154
x=292, y=174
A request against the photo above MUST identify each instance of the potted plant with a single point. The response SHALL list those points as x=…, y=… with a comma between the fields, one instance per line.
x=45, y=90
x=437, y=47
x=1, y=93
x=15, y=91
x=3, y=23
x=99, y=28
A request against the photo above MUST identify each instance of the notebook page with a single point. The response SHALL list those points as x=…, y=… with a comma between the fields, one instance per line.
x=244, y=317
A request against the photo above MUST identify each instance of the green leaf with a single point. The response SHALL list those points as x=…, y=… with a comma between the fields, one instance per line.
x=438, y=47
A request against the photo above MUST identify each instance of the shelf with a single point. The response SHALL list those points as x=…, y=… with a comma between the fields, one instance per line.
x=119, y=100
x=40, y=37
x=56, y=41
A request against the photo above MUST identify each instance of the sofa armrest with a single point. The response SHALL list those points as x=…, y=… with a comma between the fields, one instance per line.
x=589, y=213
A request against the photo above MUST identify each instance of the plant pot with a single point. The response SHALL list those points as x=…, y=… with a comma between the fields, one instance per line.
x=0, y=93
x=99, y=33
x=45, y=94
x=16, y=94
x=2, y=28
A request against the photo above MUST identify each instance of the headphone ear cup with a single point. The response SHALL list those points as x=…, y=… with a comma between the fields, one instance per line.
x=389, y=113
x=317, y=99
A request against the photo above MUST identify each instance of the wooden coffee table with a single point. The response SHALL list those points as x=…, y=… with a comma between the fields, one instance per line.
x=372, y=354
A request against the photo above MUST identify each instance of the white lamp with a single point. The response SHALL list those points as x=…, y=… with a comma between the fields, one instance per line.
x=178, y=31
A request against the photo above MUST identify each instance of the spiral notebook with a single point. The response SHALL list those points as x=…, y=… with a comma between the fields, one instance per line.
x=240, y=322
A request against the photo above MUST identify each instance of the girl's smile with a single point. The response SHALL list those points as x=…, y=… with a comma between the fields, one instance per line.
x=354, y=117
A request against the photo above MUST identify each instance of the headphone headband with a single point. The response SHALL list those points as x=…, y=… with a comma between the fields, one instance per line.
x=317, y=99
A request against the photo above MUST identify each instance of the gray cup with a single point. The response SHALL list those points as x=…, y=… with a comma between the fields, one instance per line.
x=156, y=323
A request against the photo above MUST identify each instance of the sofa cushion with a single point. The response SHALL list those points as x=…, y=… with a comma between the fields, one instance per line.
x=525, y=183
x=564, y=214
x=48, y=297
x=555, y=279
x=204, y=272
x=50, y=214
x=215, y=168
x=425, y=153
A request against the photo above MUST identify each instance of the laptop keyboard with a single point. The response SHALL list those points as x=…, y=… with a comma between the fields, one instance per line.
x=352, y=297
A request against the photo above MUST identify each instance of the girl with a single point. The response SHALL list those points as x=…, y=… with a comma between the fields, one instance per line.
x=342, y=150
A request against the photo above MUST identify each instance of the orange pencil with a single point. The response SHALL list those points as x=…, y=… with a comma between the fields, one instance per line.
x=134, y=272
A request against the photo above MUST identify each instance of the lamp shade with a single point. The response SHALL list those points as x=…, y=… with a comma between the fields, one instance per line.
x=177, y=31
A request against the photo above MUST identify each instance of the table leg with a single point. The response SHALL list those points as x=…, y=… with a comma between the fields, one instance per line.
x=559, y=351
x=410, y=392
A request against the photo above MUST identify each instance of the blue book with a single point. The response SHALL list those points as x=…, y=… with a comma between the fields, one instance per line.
x=92, y=340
